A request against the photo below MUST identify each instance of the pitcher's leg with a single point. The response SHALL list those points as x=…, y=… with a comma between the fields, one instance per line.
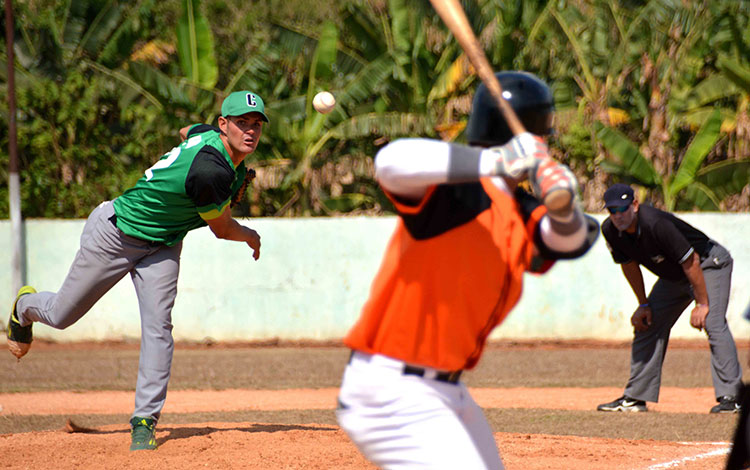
x=668, y=300
x=102, y=260
x=725, y=366
x=155, y=280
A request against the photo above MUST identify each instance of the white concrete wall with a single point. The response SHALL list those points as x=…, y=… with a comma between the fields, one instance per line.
x=314, y=274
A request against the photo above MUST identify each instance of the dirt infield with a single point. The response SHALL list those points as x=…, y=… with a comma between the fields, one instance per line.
x=540, y=422
x=679, y=400
x=314, y=446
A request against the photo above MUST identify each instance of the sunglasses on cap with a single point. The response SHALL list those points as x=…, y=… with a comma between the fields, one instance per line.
x=618, y=210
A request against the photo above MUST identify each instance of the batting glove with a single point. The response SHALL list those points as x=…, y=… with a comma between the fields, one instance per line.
x=550, y=177
x=519, y=157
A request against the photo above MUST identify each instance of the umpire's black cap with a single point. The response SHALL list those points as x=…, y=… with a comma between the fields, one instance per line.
x=618, y=195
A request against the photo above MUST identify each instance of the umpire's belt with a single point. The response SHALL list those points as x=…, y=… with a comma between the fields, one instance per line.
x=707, y=250
x=405, y=369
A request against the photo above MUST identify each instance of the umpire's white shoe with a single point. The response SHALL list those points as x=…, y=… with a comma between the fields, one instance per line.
x=623, y=404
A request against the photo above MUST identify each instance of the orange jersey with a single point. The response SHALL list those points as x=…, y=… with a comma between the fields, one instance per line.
x=452, y=272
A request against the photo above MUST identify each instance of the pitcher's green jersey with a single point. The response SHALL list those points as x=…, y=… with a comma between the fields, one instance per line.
x=189, y=185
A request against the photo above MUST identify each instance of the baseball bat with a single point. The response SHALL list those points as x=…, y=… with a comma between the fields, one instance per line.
x=455, y=19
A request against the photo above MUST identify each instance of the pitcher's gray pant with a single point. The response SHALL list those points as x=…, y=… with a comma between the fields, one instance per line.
x=106, y=255
x=668, y=299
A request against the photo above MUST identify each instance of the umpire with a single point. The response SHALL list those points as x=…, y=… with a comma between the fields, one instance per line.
x=690, y=266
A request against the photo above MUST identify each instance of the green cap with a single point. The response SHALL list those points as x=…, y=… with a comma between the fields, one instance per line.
x=243, y=102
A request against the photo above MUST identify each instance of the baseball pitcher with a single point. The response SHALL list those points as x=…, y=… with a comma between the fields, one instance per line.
x=140, y=233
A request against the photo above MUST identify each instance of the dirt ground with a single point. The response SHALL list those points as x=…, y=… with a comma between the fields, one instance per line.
x=236, y=407
x=315, y=446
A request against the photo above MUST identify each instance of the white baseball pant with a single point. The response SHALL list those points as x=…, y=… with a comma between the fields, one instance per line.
x=409, y=422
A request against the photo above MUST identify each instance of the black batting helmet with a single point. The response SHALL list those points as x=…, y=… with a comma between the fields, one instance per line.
x=529, y=97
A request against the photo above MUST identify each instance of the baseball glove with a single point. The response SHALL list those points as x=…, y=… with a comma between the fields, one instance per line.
x=249, y=176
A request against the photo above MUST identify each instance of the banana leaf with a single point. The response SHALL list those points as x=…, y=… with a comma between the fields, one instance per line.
x=386, y=124
x=631, y=159
x=715, y=87
x=347, y=202
x=696, y=153
x=195, y=46
x=324, y=59
x=702, y=197
x=725, y=178
x=101, y=29
x=736, y=72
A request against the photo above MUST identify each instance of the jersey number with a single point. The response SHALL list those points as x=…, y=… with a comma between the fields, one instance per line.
x=171, y=157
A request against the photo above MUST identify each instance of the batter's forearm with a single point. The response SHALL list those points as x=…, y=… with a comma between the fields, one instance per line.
x=408, y=167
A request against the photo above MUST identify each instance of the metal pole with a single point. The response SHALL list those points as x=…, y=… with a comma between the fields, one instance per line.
x=14, y=184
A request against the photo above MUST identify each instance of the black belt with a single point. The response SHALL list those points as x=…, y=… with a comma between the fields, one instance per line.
x=447, y=377
x=707, y=250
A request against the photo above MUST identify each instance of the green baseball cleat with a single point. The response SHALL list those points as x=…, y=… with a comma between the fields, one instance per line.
x=143, y=433
x=19, y=337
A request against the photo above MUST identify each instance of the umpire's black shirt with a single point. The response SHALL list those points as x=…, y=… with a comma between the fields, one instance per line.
x=661, y=242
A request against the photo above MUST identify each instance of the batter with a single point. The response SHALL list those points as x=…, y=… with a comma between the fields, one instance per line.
x=452, y=272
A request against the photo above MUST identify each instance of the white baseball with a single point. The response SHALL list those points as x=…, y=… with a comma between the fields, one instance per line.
x=324, y=102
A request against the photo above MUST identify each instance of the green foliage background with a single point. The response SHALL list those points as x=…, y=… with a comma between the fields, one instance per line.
x=653, y=93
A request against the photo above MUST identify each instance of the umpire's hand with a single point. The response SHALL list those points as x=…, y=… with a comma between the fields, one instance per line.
x=641, y=319
x=698, y=317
